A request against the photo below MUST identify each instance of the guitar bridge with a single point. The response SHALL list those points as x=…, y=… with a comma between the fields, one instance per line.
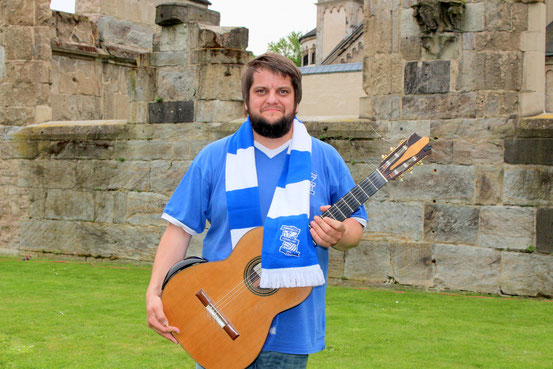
x=217, y=315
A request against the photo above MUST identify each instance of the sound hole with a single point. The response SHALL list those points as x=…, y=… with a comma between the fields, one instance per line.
x=252, y=273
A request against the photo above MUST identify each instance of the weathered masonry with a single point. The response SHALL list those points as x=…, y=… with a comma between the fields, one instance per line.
x=101, y=113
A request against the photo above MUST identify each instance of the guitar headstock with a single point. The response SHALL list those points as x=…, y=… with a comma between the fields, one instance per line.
x=402, y=158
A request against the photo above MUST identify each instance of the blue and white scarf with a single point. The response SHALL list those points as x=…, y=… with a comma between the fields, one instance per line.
x=288, y=257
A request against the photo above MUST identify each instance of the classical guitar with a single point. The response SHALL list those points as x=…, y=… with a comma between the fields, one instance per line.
x=222, y=313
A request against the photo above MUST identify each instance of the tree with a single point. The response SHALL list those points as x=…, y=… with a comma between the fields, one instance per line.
x=288, y=46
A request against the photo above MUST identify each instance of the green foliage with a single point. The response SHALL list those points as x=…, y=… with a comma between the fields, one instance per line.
x=288, y=46
x=530, y=249
x=79, y=315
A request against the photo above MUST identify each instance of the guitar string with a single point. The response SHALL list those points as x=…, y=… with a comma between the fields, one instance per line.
x=230, y=296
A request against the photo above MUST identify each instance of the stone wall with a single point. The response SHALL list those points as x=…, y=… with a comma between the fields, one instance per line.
x=340, y=100
x=477, y=215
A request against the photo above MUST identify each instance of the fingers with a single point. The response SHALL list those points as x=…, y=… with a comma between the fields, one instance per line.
x=326, y=231
x=158, y=321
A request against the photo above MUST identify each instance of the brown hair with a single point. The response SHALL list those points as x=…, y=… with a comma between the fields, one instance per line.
x=276, y=63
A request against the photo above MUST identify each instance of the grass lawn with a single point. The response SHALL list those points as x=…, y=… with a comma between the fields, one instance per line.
x=78, y=315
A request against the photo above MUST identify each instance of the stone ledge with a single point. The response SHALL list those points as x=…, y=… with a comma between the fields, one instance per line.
x=537, y=126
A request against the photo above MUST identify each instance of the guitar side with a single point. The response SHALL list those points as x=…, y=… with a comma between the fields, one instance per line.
x=222, y=322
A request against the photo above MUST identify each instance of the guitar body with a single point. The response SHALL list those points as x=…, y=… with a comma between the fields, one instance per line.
x=222, y=314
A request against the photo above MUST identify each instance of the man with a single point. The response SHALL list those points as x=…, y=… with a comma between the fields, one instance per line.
x=270, y=156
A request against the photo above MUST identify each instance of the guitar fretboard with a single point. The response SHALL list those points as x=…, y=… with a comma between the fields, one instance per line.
x=351, y=201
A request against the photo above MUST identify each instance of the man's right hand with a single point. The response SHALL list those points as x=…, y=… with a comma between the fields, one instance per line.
x=157, y=319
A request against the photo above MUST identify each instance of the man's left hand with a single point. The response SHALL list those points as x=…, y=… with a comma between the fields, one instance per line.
x=328, y=232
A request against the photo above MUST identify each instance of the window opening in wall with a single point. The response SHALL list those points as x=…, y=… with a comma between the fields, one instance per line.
x=67, y=6
x=305, y=60
x=313, y=57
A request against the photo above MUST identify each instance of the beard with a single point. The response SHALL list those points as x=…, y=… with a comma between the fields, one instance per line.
x=271, y=130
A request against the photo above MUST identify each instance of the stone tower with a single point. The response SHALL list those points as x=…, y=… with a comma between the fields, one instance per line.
x=336, y=19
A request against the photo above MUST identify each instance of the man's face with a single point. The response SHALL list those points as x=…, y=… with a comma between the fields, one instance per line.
x=271, y=97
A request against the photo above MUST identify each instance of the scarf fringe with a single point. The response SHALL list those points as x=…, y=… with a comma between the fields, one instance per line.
x=292, y=277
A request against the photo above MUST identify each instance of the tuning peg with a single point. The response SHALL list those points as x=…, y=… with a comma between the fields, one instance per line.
x=392, y=148
x=383, y=157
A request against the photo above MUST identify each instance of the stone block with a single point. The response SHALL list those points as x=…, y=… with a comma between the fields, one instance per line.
x=498, y=104
x=544, y=230
x=369, y=261
x=174, y=38
x=171, y=112
x=492, y=70
x=448, y=106
x=467, y=41
x=75, y=107
x=430, y=77
x=497, y=41
x=174, y=13
x=42, y=49
x=386, y=107
x=104, y=206
x=142, y=84
x=16, y=116
x=474, y=130
x=177, y=83
x=526, y=274
x=503, y=227
x=69, y=205
x=335, y=264
x=220, y=56
x=451, y=223
x=43, y=113
x=28, y=71
x=533, y=41
x=529, y=151
x=388, y=219
x=123, y=32
x=112, y=175
x=435, y=182
x=488, y=185
x=528, y=185
x=409, y=26
x=536, y=16
x=498, y=15
x=20, y=13
x=217, y=111
x=410, y=48
x=47, y=174
x=166, y=175
x=531, y=103
x=412, y=264
x=148, y=150
x=88, y=239
x=145, y=208
x=467, y=268
x=2, y=62
x=473, y=21
x=219, y=82
x=168, y=58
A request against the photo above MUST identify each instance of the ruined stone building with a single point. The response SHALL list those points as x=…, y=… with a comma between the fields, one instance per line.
x=102, y=111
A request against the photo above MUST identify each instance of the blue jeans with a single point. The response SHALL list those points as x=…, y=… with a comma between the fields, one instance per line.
x=274, y=360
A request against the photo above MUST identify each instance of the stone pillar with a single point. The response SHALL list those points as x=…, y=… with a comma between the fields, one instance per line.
x=198, y=66
x=470, y=75
x=25, y=62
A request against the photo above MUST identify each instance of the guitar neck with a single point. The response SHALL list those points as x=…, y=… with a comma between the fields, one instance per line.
x=351, y=201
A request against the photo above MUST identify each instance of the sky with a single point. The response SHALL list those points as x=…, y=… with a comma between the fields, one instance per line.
x=267, y=20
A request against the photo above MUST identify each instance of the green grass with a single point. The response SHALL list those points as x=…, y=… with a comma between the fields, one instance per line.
x=76, y=315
